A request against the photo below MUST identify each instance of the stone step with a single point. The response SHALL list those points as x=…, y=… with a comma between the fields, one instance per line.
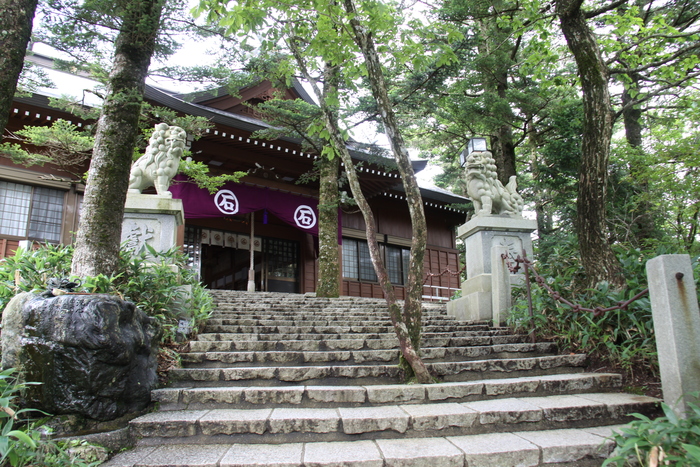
x=315, y=303
x=373, y=373
x=334, y=333
x=271, y=323
x=579, y=447
x=335, y=318
x=231, y=342
x=221, y=359
x=292, y=380
x=333, y=396
x=285, y=424
x=360, y=327
x=325, y=313
x=233, y=296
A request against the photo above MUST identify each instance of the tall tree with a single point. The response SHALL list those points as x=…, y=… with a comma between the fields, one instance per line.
x=293, y=118
x=363, y=37
x=338, y=39
x=328, y=284
x=406, y=324
x=15, y=31
x=597, y=256
x=653, y=53
x=99, y=232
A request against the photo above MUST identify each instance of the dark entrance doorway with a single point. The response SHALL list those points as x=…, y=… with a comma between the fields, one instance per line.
x=226, y=267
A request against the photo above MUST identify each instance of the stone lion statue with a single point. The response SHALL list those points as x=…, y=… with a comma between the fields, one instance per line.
x=160, y=163
x=485, y=190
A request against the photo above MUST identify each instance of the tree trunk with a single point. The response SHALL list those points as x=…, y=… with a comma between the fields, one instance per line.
x=99, y=232
x=597, y=256
x=632, y=117
x=414, y=288
x=504, y=153
x=328, y=252
x=502, y=144
x=15, y=31
x=494, y=42
x=406, y=340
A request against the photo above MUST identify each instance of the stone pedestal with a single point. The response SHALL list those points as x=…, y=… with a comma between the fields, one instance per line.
x=151, y=220
x=480, y=235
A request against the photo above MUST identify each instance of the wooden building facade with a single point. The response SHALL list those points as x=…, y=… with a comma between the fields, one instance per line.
x=43, y=204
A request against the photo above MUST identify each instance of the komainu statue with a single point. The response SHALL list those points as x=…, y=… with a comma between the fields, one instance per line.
x=485, y=190
x=160, y=163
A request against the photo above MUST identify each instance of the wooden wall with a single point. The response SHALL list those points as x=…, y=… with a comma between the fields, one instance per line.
x=393, y=220
x=8, y=247
x=438, y=287
x=441, y=254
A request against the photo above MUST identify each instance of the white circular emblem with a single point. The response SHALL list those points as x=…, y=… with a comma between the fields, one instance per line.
x=304, y=217
x=226, y=201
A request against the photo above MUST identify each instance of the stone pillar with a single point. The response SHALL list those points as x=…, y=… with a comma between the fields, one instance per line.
x=500, y=285
x=151, y=220
x=480, y=235
x=674, y=308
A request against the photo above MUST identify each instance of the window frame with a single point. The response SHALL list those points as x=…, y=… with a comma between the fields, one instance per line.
x=356, y=245
x=36, y=215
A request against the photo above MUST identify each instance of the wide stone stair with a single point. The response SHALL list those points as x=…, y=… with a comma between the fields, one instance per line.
x=293, y=380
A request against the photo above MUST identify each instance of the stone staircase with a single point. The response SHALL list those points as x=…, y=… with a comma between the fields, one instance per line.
x=292, y=380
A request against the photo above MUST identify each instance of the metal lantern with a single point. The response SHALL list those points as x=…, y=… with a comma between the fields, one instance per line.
x=475, y=144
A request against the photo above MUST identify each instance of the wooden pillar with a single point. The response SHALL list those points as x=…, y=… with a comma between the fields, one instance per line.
x=251, y=271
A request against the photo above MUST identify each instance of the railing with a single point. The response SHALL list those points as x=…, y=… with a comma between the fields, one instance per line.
x=514, y=266
x=433, y=290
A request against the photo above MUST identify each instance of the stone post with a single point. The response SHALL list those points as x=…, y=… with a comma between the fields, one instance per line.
x=500, y=284
x=674, y=307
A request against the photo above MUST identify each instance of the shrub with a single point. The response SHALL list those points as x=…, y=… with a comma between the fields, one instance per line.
x=155, y=284
x=623, y=337
x=22, y=442
x=667, y=440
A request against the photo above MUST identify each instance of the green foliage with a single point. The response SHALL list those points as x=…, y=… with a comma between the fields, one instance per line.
x=667, y=440
x=154, y=283
x=20, y=156
x=29, y=270
x=23, y=442
x=622, y=337
x=32, y=77
x=61, y=144
x=9, y=390
x=61, y=135
x=199, y=173
x=293, y=118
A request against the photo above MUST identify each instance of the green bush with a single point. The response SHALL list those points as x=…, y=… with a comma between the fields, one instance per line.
x=622, y=337
x=668, y=440
x=22, y=442
x=154, y=284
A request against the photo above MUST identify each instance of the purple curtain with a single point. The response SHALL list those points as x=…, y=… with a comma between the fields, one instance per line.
x=236, y=198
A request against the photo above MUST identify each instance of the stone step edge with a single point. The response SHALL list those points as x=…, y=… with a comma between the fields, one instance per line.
x=350, y=356
x=405, y=420
x=328, y=396
x=325, y=323
x=574, y=446
x=208, y=343
x=209, y=335
x=246, y=330
x=315, y=372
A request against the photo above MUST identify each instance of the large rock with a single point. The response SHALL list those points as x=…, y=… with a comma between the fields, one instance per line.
x=95, y=355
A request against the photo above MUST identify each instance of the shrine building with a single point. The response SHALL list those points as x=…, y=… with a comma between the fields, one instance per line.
x=42, y=203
